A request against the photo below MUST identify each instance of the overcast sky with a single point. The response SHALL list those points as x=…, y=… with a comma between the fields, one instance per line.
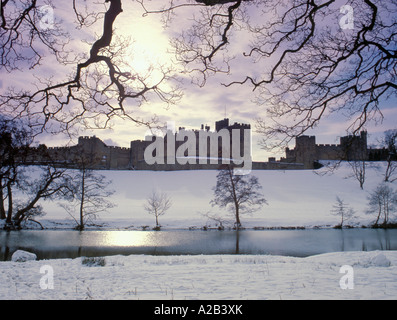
x=199, y=105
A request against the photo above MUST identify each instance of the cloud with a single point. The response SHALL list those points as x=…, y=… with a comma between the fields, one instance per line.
x=110, y=143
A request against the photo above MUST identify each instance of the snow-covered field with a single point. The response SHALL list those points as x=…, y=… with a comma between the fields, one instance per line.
x=296, y=198
x=218, y=277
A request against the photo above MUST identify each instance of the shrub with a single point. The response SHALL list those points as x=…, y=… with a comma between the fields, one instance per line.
x=93, y=261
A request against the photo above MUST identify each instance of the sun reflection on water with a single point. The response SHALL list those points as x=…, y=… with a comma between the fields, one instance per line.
x=127, y=238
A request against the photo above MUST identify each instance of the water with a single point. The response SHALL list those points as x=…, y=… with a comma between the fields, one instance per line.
x=299, y=243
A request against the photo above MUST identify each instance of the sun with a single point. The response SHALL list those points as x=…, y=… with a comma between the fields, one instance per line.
x=148, y=53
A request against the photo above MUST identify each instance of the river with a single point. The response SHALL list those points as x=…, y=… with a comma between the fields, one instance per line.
x=53, y=244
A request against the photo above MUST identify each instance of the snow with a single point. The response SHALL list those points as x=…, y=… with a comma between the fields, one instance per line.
x=380, y=261
x=22, y=256
x=216, y=277
x=296, y=198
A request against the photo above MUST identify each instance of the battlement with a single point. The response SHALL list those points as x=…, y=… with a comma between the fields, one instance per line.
x=224, y=124
x=118, y=148
x=305, y=138
x=132, y=157
x=306, y=150
x=238, y=125
x=88, y=138
x=57, y=148
x=328, y=145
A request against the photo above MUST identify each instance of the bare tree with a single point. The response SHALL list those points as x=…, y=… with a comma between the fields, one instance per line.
x=383, y=202
x=237, y=193
x=101, y=83
x=358, y=171
x=390, y=142
x=13, y=145
x=307, y=62
x=16, y=177
x=356, y=156
x=157, y=204
x=346, y=71
x=341, y=209
x=24, y=32
x=217, y=218
x=53, y=184
x=90, y=191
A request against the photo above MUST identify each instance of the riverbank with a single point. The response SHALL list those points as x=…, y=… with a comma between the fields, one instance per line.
x=122, y=224
x=219, y=277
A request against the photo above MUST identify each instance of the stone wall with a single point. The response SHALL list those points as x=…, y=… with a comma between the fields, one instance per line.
x=307, y=152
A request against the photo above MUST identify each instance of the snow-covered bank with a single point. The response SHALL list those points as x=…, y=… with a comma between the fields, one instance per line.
x=221, y=277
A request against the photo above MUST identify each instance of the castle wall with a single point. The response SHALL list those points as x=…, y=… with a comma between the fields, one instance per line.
x=119, y=158
x=307, y=152
x=304, y=156
x=137, y=152
x=277, y=165
x=328, y=152
x=355, y=147
x=210, y=147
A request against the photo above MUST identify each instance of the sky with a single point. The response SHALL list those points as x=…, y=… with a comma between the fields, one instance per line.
x=199, y=105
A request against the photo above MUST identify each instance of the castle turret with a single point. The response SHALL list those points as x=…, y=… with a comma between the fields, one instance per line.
x=305, y=151
x=355, y=147
x=221, y=124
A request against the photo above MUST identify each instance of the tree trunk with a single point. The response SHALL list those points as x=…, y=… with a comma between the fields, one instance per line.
x=41, y=226
x=2, y=210
x=386, y=211
x=9, y=212
x=342, y=219
x=156, y=214
x=81, y=227
x=21, y=214
x=362, y=175
x=236, y=203
x=110, y=16
x=379, y=213
x=388, y=170
x=237, y=242
x=238, y=223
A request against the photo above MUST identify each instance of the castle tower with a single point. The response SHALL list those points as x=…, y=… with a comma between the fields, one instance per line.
x=355, y=147
x=221, y=124
x=305, y=150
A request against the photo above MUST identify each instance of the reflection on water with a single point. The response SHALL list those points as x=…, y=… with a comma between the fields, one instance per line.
x=125, y=239
x=70, y=244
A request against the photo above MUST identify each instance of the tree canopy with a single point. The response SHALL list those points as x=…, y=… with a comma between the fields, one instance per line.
x=303, y=59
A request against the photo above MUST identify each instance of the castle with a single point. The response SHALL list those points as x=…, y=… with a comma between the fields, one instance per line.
x=305, y=155
x=350, y=148
x=136, y=157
